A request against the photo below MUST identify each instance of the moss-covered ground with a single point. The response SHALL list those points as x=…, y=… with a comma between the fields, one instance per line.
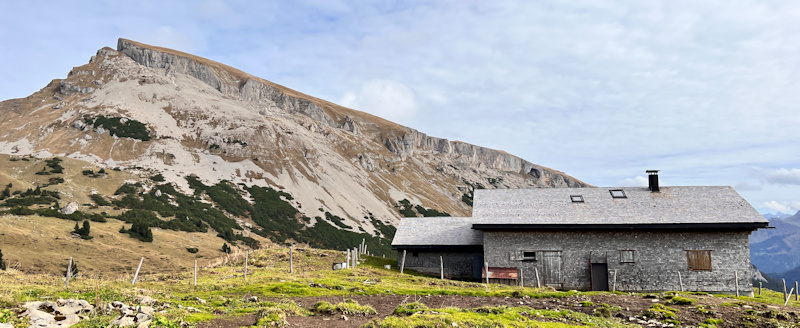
x=315, y=292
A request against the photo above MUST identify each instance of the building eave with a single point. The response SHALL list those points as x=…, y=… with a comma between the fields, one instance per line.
x=617, y=227
x=460, y=248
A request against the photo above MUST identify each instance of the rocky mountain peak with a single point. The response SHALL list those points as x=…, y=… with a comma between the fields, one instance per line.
x=150, y=110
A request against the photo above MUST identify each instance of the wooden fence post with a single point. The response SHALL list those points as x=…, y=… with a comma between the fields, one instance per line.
x=736, y=277
x=759, y=288
x=136, y=275
x=441, y=267
x=796, y=292
x=538, y=282
x=347, y=259
x=614, y=282
x=291, y=259
x=680, y=280
x=69, y=273
x=195, y=272
x=486, y=266
x=246, y=258
x=784, y=288
x=521, y=281
x=788, y=298
x=403, y=262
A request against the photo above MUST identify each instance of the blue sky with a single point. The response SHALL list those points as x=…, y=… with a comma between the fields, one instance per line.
x=602, y=90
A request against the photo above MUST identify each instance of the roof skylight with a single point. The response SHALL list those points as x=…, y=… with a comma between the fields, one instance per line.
x=617, y=193
x=576, y=198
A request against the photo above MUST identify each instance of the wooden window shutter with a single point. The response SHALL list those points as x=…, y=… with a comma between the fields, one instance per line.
x=699, y=260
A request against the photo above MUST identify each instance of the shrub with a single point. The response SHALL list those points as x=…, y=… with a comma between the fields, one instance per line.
x=84, y=231
x=710, y=323
x=100, y=200
x=193, y=250
x=587, y=304
x=225, y=248
x=2, y=262
x=410, y=308
x=661, y=311
x=117, y=126
x=680, y=300
x=158, y=178
x=605, y=310
x=349, y=306
x=128, y=188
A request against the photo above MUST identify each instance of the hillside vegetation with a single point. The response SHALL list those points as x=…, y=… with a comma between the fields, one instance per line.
x=150, y=210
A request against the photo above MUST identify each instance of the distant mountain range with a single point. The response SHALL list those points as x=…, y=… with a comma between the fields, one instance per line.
x=777, y=251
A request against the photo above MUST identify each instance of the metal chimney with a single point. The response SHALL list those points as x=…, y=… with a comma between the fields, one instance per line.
x=653, y=177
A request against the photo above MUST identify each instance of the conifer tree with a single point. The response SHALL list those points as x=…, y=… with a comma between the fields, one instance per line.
x=226, y=248
x=2, y=263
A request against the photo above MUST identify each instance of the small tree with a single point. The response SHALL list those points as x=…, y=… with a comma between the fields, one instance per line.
x=2, y=263
x=226, y=249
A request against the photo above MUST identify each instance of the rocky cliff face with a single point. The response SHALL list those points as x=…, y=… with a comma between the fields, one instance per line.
x=229, y=82
x=150, y=110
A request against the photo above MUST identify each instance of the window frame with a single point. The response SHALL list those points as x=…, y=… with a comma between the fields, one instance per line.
x=628, y=251
x=576, y=198
x=612, y=191
x=529, y=258
x=699, y=254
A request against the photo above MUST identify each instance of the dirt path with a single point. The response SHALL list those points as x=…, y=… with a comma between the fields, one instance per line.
x=733, y=313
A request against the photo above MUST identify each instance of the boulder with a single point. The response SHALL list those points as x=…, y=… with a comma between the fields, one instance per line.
x=70, y=208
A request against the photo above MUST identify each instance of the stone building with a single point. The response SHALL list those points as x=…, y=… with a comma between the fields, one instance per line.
x=430, y=241
x=626, y=239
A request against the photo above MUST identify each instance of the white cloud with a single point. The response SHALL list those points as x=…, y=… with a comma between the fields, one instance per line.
x=637, y=181
x=780, y=176
x=783, y=207
x=388, y=99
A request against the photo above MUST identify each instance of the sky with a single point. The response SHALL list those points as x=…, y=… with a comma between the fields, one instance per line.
x=707, y=92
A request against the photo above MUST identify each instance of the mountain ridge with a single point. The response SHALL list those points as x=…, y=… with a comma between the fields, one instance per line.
x=199, y=125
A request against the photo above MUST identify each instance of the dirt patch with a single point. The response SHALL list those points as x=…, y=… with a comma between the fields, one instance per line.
x=734, y=313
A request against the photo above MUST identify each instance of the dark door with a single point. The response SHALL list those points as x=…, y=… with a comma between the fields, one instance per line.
x=551, y=263
x=599, y=276
x=477, y=266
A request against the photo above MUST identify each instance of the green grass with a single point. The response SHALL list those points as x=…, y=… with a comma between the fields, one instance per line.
x=225, y=289
x=349, y=307
x=418, y=315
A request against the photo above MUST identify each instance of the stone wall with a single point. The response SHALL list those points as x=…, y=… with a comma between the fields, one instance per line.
x=658, y=258
x=457, y=265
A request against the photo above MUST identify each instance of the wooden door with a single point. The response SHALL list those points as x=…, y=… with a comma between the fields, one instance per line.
x=599, y=276
x=477, y=267
x=551, y=262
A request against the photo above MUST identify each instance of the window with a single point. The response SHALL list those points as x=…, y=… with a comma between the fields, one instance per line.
x=617, y=193
x=415, y=254
x=699, y=260
x=626, y=256
x=522, y=256
x=576, y=198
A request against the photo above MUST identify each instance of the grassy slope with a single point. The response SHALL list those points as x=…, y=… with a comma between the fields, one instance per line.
x=44, y=244
x=76, y=186
x=223, y=288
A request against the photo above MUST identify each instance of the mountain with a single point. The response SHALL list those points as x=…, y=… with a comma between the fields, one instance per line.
x=794, y=219
x=776, y=215
x=776, y=250
x=188, y=144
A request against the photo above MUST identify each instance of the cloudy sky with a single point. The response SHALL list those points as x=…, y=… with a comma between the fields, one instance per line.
x=706, y=91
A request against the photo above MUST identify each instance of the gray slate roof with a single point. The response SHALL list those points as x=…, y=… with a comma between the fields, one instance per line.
x=442, y=231
x=671, y=205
